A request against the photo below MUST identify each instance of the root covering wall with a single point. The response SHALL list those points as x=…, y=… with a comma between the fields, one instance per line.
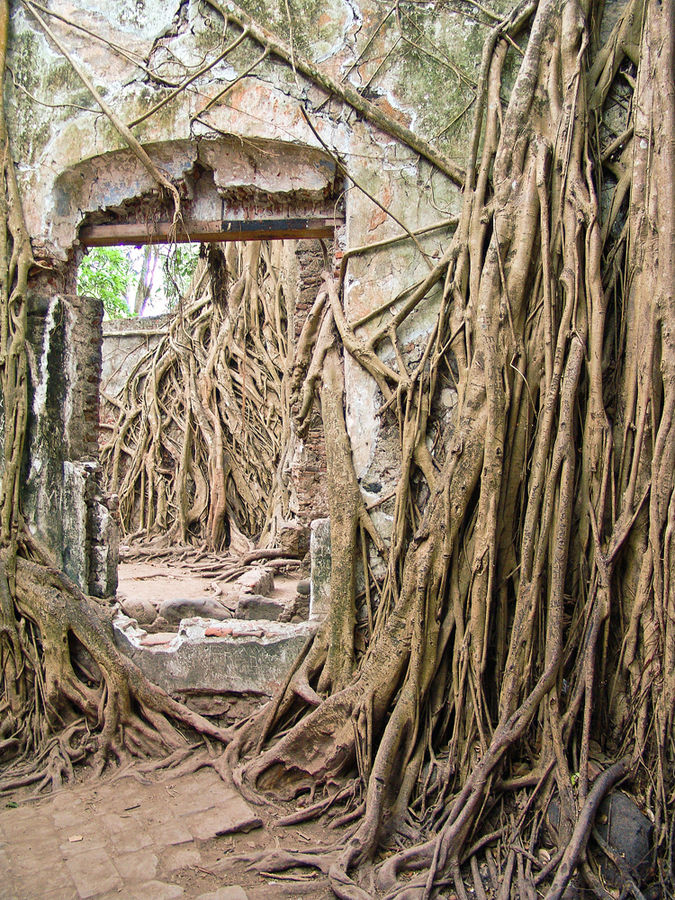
x=491, y=348
x=237, y=145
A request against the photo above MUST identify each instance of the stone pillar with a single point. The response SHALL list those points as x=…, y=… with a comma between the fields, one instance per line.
x=62, y=496
x=319, y=550
x=308, y=461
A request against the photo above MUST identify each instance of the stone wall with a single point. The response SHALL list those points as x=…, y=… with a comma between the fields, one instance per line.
x=242, y=153
x=62, y=495
x=308, y=465
x=125, y=341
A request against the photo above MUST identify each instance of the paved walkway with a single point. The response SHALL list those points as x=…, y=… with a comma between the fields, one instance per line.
x=124, y=840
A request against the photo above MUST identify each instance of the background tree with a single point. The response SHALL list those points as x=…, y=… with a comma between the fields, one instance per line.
x=113, y=274
x=106, y=274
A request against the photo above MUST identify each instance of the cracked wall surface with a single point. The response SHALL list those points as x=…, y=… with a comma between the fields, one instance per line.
x=417, y=62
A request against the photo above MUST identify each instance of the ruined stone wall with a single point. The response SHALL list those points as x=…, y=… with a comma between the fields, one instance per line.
x=62, y=495
x=238, y=128
x=308, y=466
x=125, y=341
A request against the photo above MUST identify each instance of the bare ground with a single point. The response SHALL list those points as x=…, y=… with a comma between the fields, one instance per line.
x=118, y=837
x=158, y=580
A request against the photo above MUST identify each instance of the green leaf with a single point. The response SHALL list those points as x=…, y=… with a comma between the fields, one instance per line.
x=105, y=273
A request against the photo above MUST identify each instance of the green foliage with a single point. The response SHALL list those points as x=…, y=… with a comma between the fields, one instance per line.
x=111, y=274
x=106, y=273
x=179, y=266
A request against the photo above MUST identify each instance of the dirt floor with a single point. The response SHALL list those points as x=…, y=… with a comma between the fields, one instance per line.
x=119, y=837
x=158, y=581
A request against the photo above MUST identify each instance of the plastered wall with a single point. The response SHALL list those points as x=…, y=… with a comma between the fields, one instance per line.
x=416, y=62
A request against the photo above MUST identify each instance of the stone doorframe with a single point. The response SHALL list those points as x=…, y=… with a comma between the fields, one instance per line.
x=249, y=183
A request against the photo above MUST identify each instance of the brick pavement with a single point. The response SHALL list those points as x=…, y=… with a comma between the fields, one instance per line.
x=121, y=840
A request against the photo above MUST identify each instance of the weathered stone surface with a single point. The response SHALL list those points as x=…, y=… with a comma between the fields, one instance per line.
x=234, y=660
x=74, y=518
x=157, y=890
x=232, y=817
x=319, y=597
x=172, y=833
x=124, y=343
x=137, y=866
x=257, y=580
x=253, y=606
x=123, y=839
x=104, y=553
x=175, y=858
x=303, y=587
x=62, y=495
x=93, y=873
x=176, y=609
x=140, y=609
x=625, y=828
x=130, y=839
x=233, y=892
x=294, y=540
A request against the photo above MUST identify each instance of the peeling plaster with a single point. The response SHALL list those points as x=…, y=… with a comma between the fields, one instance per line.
x=40, y=395
x=256, y=142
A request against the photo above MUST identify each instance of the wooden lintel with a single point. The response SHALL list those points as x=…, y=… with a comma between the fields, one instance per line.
x=198, y=232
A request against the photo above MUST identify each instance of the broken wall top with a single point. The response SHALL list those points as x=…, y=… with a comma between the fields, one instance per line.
x=255, y=139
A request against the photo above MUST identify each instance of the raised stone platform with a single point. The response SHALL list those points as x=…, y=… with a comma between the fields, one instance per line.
x=209, y=655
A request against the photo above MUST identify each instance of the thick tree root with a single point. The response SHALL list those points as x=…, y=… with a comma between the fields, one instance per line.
x=493, y=624
x=516, y=637
x=82, y=673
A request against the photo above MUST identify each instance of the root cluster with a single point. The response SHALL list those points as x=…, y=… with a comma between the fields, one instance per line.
x=203, y=421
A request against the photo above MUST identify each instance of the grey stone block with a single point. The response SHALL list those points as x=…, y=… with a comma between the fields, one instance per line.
x=257, y=580
x=177, y=609
x=142, y=610
x=319, y=548
x=294, y=539
x=157, y=890
x=232, y=892
x=627, y=829
x=211, y=655
x=93, y=873
x=253, y=606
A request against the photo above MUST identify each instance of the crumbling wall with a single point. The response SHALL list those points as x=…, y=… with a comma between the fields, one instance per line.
x=124, y=341
x=62, y=496
x=308, y=463
x=255, y=145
